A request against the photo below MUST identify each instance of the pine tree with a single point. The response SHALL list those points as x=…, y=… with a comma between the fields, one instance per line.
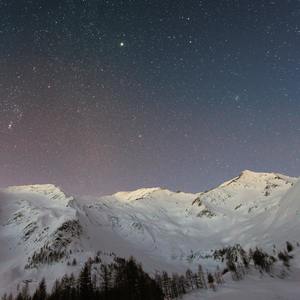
x=85, y=283
x=218, y=276
x=174, y=286
x=166, y=286
x=201, y=281
x=289, y=247
x=56, y=291
x=263, y=260
x=182, y=285
x=41, y=291
x=74, y=262
x=211, y=281
x=285, y=258
x=189, y=277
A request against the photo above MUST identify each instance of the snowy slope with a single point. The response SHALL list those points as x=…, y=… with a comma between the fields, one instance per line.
x=257, y=286
x=249, y=205
x=253, y=287
x=42, y=229
x=30, y=219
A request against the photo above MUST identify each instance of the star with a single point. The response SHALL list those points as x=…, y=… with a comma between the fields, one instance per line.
x=153, y=76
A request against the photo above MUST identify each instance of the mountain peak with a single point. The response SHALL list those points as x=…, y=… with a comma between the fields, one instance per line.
x=137, y=194
x=252, y=175
x=49, y=190
x=248, y=177
x=249, y=172
x=32, y=187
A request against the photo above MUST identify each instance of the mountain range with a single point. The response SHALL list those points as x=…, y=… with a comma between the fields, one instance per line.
x=46, y=233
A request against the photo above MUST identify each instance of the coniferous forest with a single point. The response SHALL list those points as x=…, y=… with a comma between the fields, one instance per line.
x=125, y=278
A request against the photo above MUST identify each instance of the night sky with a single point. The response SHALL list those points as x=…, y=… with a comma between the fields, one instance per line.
x=101, y=96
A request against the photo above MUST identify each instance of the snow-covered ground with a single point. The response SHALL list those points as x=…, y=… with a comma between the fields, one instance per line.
x=42, y=229
x=258, y=286
x=253, y=288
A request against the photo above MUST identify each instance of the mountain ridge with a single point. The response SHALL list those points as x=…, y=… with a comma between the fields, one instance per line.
x=163, y=229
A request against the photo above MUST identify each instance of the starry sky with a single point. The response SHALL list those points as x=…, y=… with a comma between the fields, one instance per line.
x=101, y=96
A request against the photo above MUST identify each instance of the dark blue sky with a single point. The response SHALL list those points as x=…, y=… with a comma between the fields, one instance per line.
x=101, y=96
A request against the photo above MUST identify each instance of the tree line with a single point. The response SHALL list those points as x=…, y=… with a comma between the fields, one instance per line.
x=121, y=279
x=125, y=278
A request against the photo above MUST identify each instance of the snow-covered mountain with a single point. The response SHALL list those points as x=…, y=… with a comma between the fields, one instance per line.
x=43, y=230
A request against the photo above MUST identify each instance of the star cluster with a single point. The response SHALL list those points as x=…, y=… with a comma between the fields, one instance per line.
x=99, y=96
